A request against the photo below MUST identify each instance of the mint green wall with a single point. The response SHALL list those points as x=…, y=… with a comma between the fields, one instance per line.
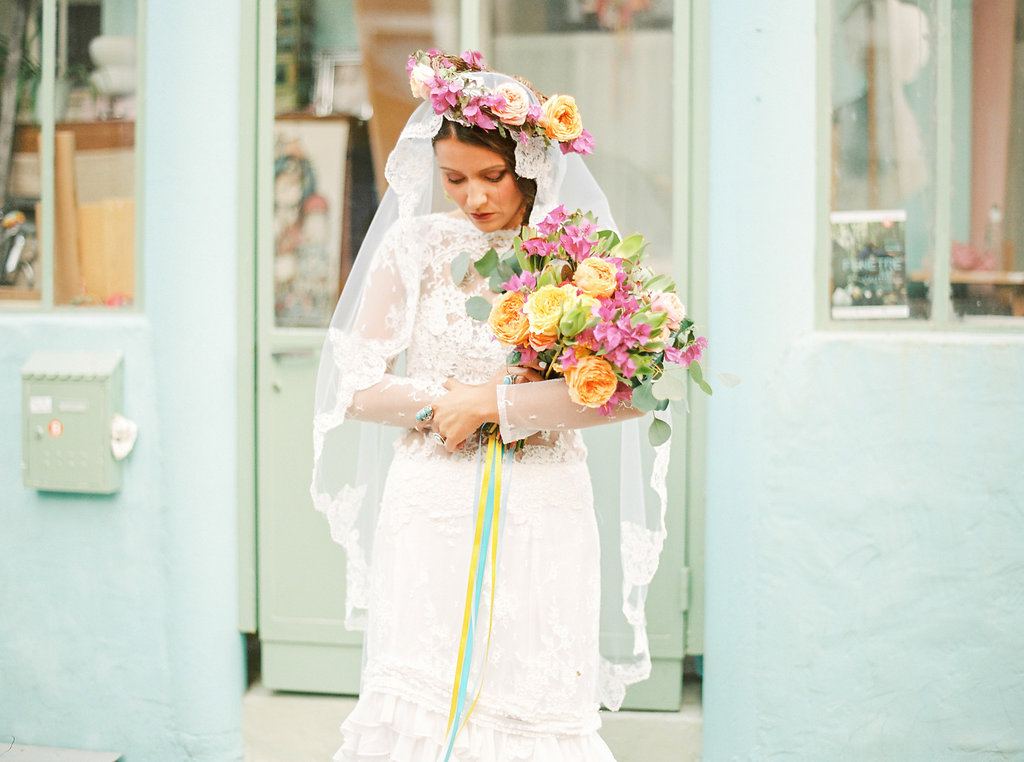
x=118, y=624
x=865, y=511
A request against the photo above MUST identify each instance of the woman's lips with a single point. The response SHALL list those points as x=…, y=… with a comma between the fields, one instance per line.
x=482, y=216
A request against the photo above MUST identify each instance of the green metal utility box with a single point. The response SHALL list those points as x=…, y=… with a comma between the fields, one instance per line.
x=69, y=404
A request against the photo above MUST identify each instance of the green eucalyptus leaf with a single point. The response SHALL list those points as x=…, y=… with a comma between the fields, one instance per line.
x=478, y=308
x=460, y=266
x=696, y=373
x=495, y=281
x=659, y=432
x=643, y=398
x=487, y=263
x=669, y=387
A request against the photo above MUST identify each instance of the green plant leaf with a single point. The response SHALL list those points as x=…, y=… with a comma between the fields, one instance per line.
x=629, y=248
x=486, y=264
x=670, y=386
x=478, y=308
x=659, y=432
x=643, y=399
x=659, y=283
x=495, y=281
x=460, y=266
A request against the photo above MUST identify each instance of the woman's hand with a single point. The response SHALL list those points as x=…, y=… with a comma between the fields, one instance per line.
x=467, y=407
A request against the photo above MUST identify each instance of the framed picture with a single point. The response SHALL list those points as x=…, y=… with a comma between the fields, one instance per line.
x=310, y=159
x=340, y=86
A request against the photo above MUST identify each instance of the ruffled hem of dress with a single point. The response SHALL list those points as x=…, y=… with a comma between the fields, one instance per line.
x=385, y=728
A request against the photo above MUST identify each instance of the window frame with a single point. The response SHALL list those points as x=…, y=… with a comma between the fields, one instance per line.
x=47, y=128
x=942, y=318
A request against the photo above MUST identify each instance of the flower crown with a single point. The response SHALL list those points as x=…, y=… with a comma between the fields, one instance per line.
x=453, y=90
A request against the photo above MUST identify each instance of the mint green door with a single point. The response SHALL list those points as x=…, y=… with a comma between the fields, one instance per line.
x=300, y=263
x=655, y=186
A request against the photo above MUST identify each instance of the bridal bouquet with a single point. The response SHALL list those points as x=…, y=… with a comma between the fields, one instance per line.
x=579, y=302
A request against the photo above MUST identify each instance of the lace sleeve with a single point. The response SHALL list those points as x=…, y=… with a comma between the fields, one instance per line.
x=368, y=389
x=524, y=409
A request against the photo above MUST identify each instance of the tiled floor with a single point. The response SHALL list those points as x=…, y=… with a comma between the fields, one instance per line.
x=295, y=727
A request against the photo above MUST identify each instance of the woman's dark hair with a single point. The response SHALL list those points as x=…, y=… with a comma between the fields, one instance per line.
x=492, y=140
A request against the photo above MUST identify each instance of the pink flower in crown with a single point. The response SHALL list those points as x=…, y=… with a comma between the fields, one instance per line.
x=551, y=223
x=472, y=113
x=514, y=103
x=539, y=247
x=422, y=79
x=473, y=58
x=445, y=94
x=582, y=145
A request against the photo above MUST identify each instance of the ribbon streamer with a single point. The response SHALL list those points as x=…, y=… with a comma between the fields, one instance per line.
x=489, y=521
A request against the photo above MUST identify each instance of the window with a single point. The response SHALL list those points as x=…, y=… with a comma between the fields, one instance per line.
x=67, y=153
x=926, y=138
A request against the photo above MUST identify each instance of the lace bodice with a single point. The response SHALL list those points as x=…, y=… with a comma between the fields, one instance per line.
x=443, y=340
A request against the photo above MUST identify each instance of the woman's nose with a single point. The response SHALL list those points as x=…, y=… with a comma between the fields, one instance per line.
x=477, y=196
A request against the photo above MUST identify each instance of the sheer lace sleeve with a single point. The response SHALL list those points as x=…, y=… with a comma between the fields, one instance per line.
x=365, y=356
x=524, y=409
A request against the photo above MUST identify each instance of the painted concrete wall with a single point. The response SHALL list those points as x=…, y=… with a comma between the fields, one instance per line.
x=865, y=513
x=118, y=625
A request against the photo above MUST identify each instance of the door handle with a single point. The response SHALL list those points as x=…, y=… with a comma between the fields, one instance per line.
x=294, y=355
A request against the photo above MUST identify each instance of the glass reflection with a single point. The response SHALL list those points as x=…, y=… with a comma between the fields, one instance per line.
x=883, y=149
x=93, y=114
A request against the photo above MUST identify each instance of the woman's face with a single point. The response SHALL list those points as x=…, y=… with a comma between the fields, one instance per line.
x=482, y=185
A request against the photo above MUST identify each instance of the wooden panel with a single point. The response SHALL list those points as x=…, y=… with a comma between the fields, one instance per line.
x=388, y=33
x=89, y=136
x=106, y=233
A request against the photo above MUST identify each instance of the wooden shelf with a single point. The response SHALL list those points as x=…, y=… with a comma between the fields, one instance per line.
x=89, y=136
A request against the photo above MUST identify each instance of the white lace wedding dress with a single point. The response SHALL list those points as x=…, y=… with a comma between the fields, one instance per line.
x=539, y=693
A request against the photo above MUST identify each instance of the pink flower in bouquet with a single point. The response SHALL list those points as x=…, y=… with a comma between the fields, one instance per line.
x=576, y=241
x=553, y=221
x=689, y=354
x=667, y=302
x=525, y=281
x=539, y=247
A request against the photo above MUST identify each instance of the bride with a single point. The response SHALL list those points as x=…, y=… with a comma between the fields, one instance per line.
x=505, y=156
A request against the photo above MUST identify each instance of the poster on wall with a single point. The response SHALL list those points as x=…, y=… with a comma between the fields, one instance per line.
x=869, y=277
x=309, y=192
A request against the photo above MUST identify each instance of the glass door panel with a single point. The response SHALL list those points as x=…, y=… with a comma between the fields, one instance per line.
x=883, y=159
x=619, y=65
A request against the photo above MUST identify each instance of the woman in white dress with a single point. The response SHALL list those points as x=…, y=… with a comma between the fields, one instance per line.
x=545, y=675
